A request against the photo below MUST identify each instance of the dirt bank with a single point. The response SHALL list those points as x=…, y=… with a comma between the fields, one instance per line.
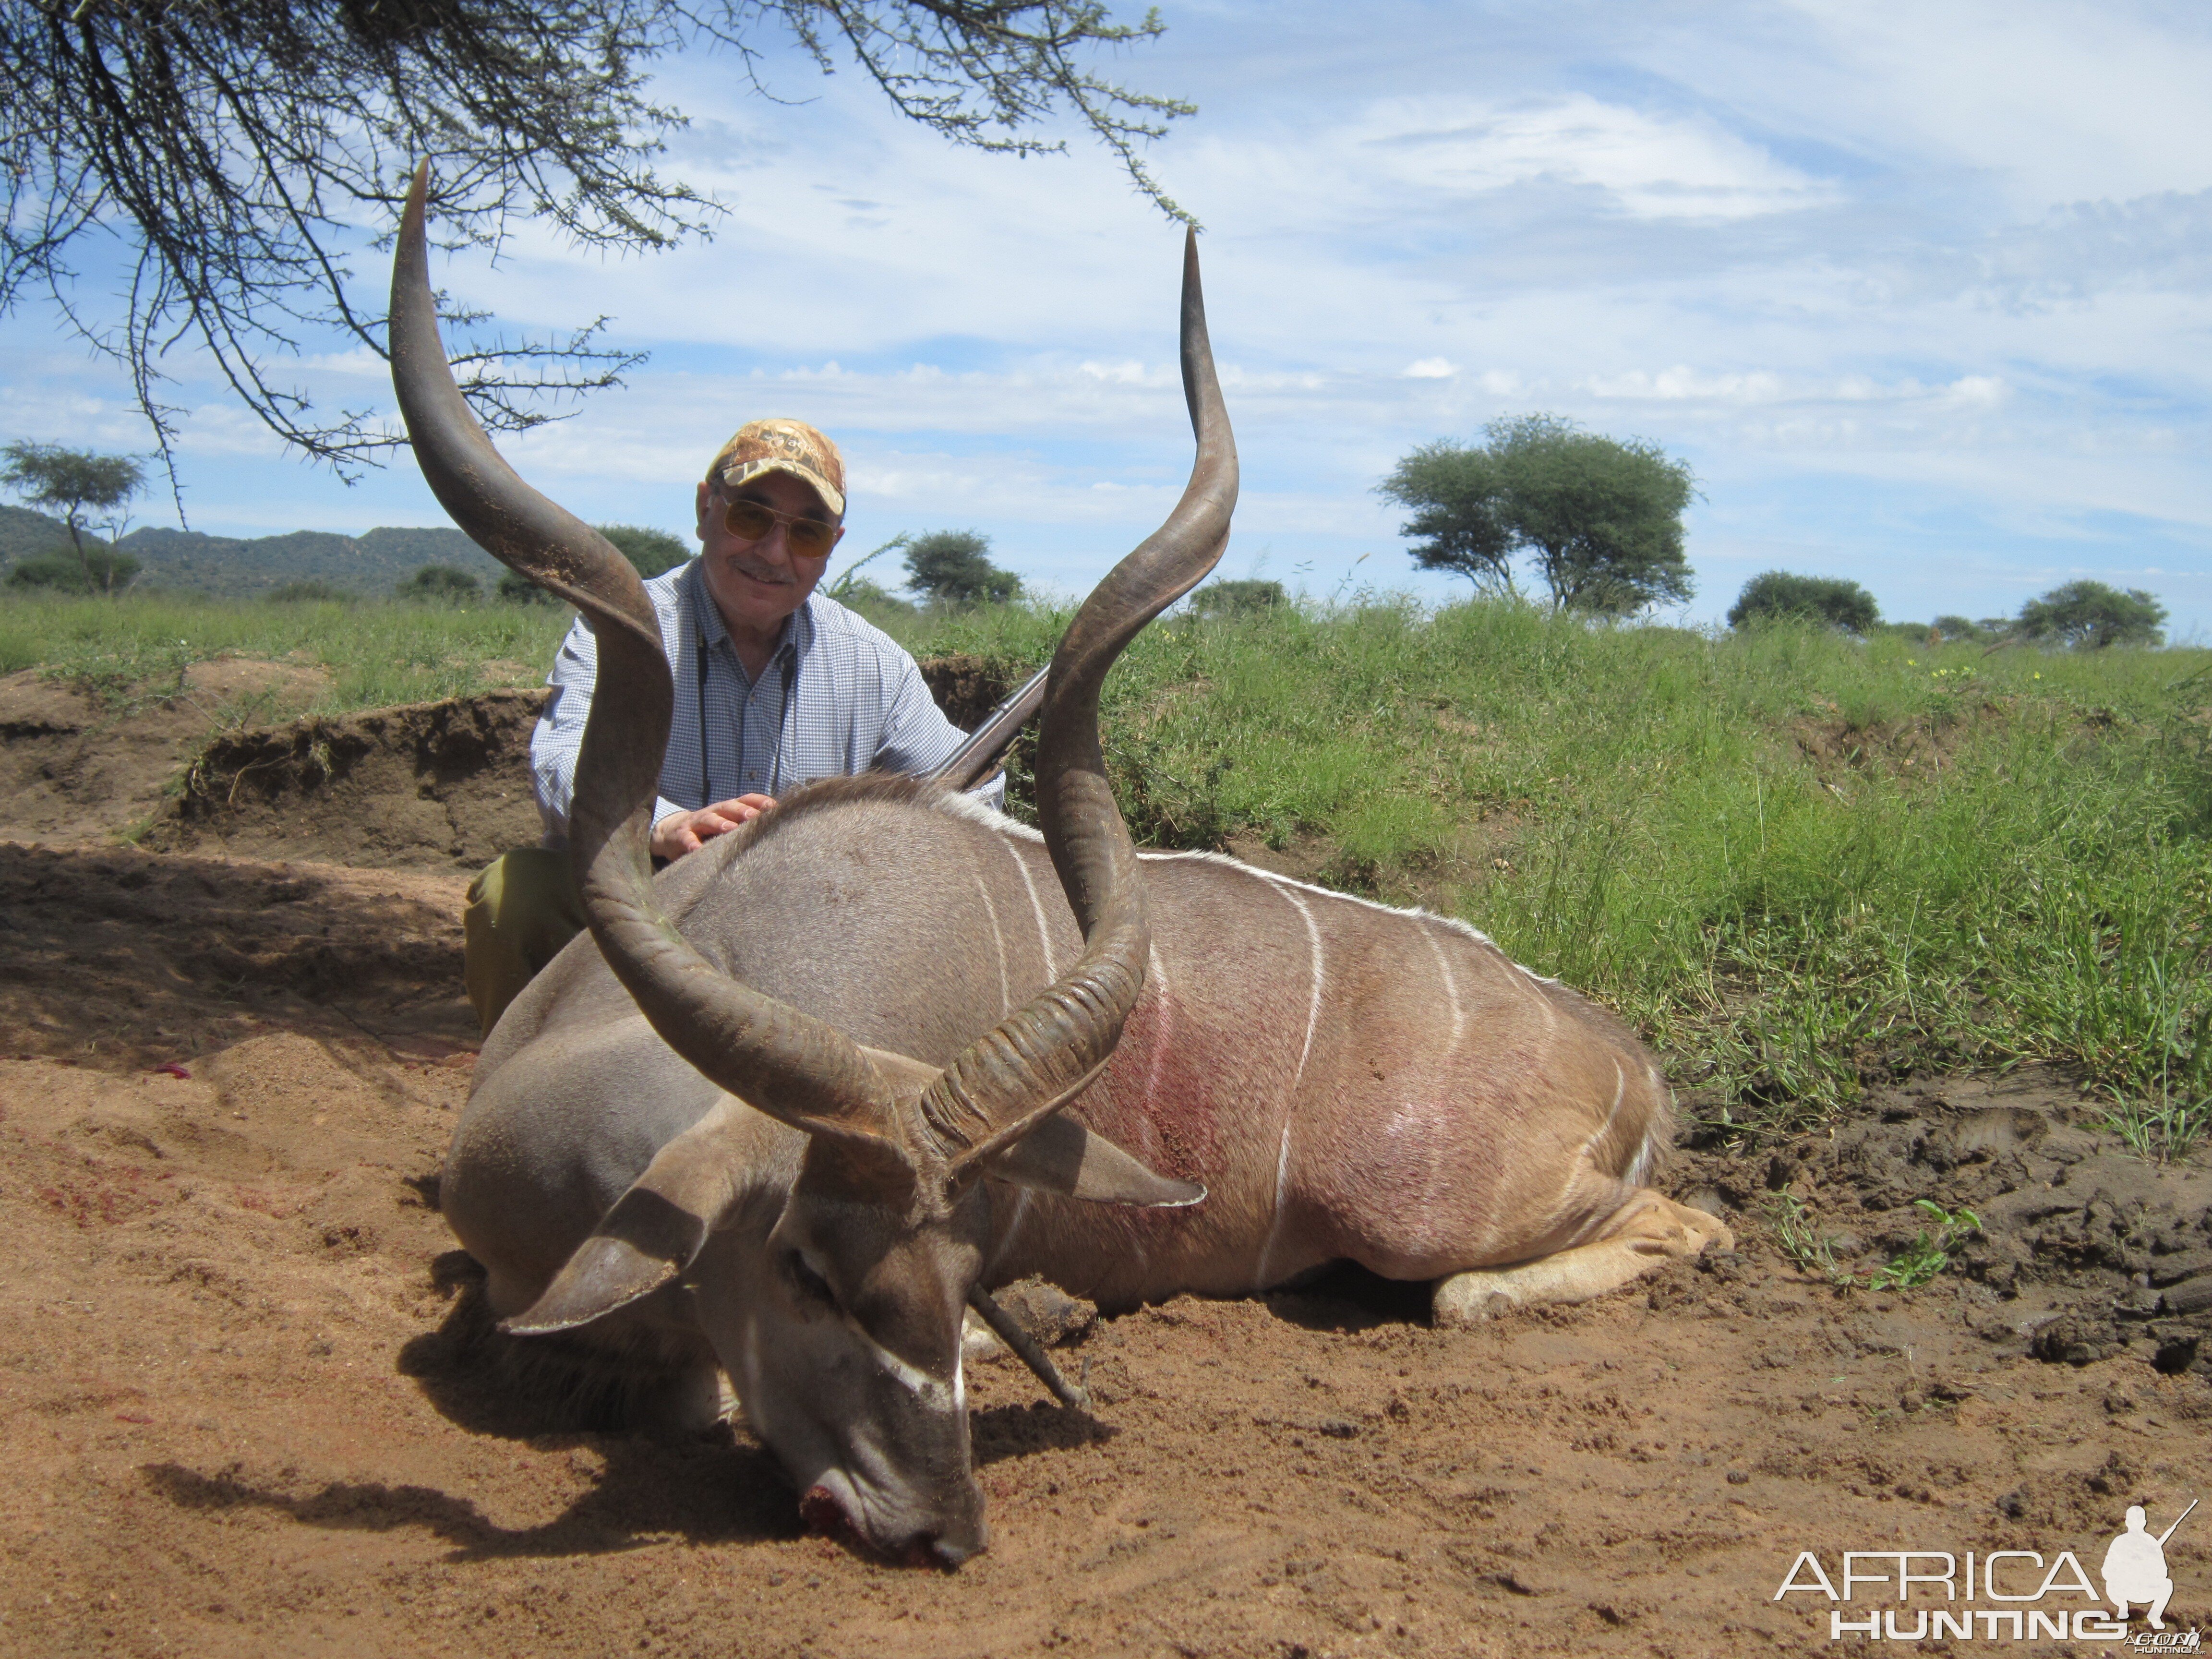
x=438, y=786
x=80, y=765
x=421, y=785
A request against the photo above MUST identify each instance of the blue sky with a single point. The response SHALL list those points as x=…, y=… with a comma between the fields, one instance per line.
x=1921, y=293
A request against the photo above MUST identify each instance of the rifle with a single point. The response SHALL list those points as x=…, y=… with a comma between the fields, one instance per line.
x=977, y=758
x=2178, y=1520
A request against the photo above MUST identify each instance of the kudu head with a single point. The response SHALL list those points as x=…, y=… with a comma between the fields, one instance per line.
x=844, y=1339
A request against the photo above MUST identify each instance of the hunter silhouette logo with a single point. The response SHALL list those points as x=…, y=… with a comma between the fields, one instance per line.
x=2135, y=1567
x=1940, y=1594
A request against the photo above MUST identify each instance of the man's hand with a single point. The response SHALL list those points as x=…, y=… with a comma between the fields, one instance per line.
x=687, y=832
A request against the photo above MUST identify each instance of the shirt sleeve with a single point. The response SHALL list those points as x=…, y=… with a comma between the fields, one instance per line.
x=917, y=736
x=558, y=737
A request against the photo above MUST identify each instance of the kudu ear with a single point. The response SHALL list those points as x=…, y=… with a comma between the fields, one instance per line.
x=1061, y=1156
x=654, y=1230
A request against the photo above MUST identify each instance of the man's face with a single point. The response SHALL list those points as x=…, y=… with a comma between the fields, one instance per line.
x=757, y=584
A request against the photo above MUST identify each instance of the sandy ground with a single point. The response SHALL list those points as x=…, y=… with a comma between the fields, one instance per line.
x=237, y=1409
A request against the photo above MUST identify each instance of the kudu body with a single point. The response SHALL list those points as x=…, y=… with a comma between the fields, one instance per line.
x=791, y=1101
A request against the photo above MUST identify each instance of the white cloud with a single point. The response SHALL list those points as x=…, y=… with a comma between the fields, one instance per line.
x=2063, y=100
x=1651, y=164
x=1682, y=383
x=1431, y=368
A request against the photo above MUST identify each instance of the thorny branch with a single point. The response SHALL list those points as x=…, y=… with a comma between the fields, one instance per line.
x=238, y=152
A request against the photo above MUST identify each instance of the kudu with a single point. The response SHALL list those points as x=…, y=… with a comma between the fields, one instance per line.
x=792, y=1100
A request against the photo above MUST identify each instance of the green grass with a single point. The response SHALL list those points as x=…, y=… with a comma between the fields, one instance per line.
x=1796, y=862
x=1632, y=810
x=376, y=652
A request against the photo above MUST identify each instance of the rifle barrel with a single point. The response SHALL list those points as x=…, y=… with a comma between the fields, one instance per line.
x=977, y=758
x=2178, y=1520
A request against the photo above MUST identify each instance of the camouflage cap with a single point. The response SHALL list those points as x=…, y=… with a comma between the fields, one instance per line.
x=777, y=446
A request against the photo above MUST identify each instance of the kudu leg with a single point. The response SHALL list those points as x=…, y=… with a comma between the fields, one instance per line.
x=1647, y=1230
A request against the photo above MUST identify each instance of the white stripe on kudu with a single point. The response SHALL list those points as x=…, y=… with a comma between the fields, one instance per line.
x=998, y=942
x=1036, y=907
x=1291, y=1097
x=1451, y=993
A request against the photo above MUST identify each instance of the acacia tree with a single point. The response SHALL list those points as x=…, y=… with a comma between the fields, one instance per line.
x=76, y=484
x=239, y=151
x=1601, y=519
x=2091, y=616
x=953, y=566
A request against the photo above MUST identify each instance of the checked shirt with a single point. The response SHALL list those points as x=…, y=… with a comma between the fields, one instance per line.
x=838, y=697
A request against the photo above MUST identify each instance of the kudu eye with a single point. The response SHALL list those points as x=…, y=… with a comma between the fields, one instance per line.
x=809, y=1286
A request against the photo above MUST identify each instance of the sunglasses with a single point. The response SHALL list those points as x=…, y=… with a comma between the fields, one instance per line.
x=749, y=521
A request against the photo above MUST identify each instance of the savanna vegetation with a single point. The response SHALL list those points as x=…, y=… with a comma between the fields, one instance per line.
x=1797, y=860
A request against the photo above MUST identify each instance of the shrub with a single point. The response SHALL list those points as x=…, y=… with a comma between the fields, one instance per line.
x=313, y=592
x=520, y=590
x=1777, y=593
x=102, y=570
x=441, y=584
x=871, y=599
x=1235, y=599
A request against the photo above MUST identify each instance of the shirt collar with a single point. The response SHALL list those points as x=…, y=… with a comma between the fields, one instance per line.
x=798, y=627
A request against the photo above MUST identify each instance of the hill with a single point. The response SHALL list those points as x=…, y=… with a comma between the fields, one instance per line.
x=24, y=533
x=189, y=562
x=233, y=567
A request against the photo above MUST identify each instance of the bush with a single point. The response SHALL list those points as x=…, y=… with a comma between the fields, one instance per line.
x=520, y=590
x=652, y=551
x=1961, y=628
x=1777, y=593
x=1235, y=599
x=61, y=571
x=871, y=599
x=2089, y=616
x=441, y=584
x=313, y=592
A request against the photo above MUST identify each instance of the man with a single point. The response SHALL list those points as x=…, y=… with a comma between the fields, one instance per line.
x=2135, y=1568
x=775, y=686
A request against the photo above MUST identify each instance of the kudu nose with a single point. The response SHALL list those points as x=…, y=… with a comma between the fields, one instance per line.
x=950, y=1555
x=822, y=1512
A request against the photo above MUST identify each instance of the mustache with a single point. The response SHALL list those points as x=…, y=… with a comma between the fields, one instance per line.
x=745, y=567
